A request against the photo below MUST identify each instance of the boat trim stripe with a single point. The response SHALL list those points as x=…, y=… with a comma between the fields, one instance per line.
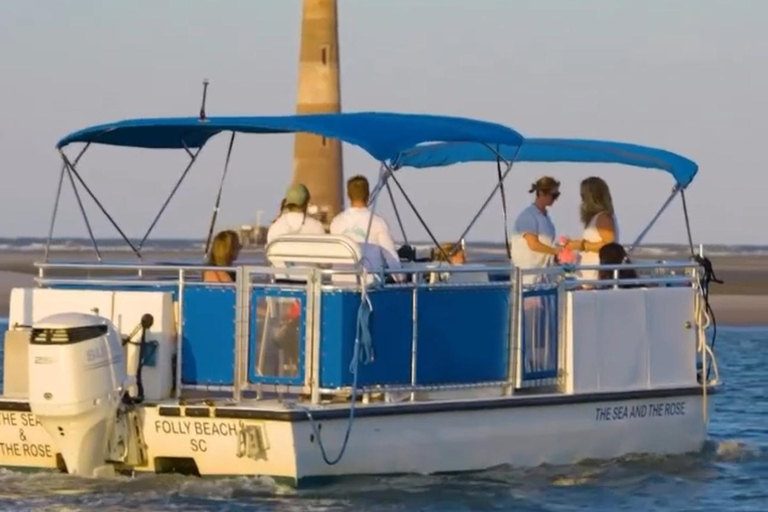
x=403, y=408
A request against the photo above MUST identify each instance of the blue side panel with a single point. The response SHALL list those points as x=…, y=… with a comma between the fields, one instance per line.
x=391, y=326
x=208, y=346
x=463, y=335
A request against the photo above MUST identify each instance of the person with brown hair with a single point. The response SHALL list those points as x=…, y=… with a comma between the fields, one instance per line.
x=600, y=226
x=533, y=236
x=615, y=254
x=379, y=251
x=225, y=249
x=446, y=256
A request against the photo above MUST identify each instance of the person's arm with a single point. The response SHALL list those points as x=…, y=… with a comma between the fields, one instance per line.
x=528, y=227
x=536, y=245
x=607, y=230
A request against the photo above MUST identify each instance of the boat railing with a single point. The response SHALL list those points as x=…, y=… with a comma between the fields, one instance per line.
x=298, y=337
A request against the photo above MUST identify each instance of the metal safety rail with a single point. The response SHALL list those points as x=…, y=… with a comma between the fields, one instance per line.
x=535, y=334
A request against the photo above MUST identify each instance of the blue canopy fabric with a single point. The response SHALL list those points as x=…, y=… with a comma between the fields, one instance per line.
x=553, y=150
x=383, y=135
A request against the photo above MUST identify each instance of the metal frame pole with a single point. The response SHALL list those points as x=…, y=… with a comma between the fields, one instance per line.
x=98, y=203
x=418, y=215
x=488, y=200
x=56, y=201
x=53, y=215
x=82, y=208
x=687, y=222
x=414, y=332
x=397, y=213
x=653, y=221
x=193, y=159
x=218, y=196
x=180, y=335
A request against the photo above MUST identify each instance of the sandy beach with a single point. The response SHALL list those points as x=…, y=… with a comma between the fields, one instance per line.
x=741, y=300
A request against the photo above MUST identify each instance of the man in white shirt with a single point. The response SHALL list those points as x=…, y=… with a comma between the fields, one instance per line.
x=294, y=219
x=380, y=250
x=533, y=238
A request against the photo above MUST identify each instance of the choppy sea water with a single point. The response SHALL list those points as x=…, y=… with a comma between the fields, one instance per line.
x=196, y=246
x=728, y=474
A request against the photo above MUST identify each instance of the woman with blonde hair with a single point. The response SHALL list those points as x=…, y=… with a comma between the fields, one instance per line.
x=600, y=225
x=224, y=251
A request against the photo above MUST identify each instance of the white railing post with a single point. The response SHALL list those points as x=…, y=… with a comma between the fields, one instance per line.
x=180, y=334
x=314, y=344
x=515, y=309
x=414, y=332
x=242, y=330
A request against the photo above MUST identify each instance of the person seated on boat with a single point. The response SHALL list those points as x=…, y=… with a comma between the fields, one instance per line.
x=600, y=225
x=614, y=254
x=294, y=219
x=225, y=249
x=444, y=257
x=379, y=250
x=533, y=237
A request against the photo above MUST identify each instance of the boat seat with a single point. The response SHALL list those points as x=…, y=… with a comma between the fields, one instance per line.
x=316, y=251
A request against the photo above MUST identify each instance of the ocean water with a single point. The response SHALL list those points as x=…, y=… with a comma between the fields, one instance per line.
x=728, y=474
x=196, y=246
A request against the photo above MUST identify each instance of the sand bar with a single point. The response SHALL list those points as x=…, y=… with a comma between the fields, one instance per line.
x=741, y=300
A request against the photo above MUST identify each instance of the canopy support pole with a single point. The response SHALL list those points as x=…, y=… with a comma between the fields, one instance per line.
x=653, y=220
x=82, y=208
x=397, y=213
x=218, y=196
x=192, y=159
x=56, y=201
x=687, y=223
x=503, y=201
x=98, y=203
x=418, y=215
x=493, y=193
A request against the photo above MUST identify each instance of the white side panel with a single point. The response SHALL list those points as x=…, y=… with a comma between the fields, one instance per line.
x=582, y=345
x=128, y=310
x=29, y=305
x=626, y=339
x=671, y=337
x=623, y=357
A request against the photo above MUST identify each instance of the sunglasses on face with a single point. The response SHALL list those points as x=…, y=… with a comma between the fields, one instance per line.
x=554, y=195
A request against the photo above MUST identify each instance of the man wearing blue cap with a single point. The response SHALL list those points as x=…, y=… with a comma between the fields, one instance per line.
x=294, y=219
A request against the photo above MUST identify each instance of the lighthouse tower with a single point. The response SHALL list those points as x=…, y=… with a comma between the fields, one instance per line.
x=317, y=160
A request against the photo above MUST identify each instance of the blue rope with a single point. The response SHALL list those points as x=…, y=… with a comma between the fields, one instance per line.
x=363, y=337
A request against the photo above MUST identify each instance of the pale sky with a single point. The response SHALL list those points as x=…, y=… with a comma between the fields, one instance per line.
x=687, y=76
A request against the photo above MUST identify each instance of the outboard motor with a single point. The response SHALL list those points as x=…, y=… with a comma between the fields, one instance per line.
x=76, y=382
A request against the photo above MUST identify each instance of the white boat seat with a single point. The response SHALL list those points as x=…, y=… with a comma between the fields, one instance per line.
x=316, y=251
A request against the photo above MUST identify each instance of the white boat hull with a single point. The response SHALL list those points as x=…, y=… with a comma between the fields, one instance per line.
x=395, y=438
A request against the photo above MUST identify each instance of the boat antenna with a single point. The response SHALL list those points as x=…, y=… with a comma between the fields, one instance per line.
x=202, y=105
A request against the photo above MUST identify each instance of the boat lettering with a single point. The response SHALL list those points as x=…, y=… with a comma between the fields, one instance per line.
x=18, y=419
x=199, y=429
x=22, y=449
x=637, y=411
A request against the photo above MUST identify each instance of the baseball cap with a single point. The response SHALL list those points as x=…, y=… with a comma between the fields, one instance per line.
x=297, y=195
